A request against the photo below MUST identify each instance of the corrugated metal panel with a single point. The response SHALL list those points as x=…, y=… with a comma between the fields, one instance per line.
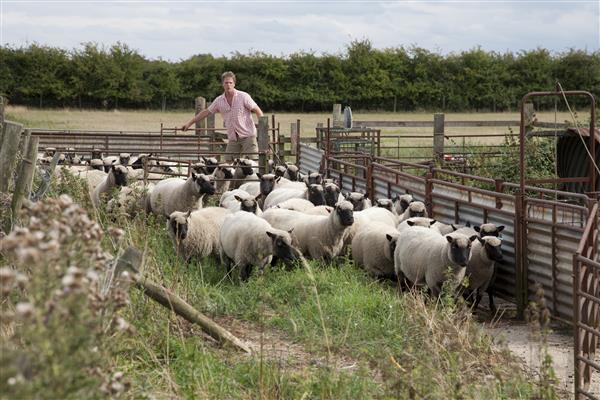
x=414, y=187
x=310, y=158
x=573, y=161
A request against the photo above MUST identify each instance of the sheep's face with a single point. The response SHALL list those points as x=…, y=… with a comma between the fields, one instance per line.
x=120, y=173
x=246, y=166
x=344, y=212
x=124, y=158
x=332, y=193
x=392, y=241
x=96, y=153
x=292, y=173
x=211, y=164
x=248, y=204
x=315, y=178
x=459, y=249
x=200, y=168
x=267, y=183
x=416, y=209
x=49, y=151
x=223, y=173
x=205, y=184
x=316, y=194
x=401, y=203
x=279, y=170
x=489, y=230
x=282, y=245
x=385, y=203
x=97, y=164
x=492, y=247
x=357, y=200
x=178, y=225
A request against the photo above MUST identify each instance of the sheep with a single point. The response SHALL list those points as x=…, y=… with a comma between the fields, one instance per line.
x=279, y=170
x=314, y=178
x=358, y=199
x=423, y=255
x=116, y=177
x=93, y=178
x=175, y=194
x=332, y=194
x=211, y=164
x=247, y=240
x=292, y=173
x=244, y=171
x=417, y=221
x=266, y=185
x=196, y=234
x=124, y=158
x=320, y=237
x=373, y=249
x=97, y=153
x=296, y=205
x=97, y=164
x=444, y=229
x=312, y=192
x=223, y=176
x=401, y=202
x=388, y=204
x=109, y=162
x=415, y=209
x=480, y=271
x=237, y=199
x=319, y=210
x=131, y=199
x=365, y=217
x=488, y=230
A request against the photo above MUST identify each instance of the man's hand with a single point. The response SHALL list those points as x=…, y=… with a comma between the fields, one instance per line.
x=185, y=127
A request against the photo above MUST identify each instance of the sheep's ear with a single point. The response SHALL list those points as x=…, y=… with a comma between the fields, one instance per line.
x=290, y=231
x=271, y=235
x=188, y=214
x=481, y=240
x=346, y=195
x=449, y=239
x=454, y=227
x=472, y=238
x=259, y=175
x=306, y=182
x=500, y=228
x=389, y=237
x=477, y=229
x=238, y=198
x=277, y=179
x=258, y=196
x=194, y=175
x=328, y=210
x=433, y=221
x=319, y=179
x=410, y=223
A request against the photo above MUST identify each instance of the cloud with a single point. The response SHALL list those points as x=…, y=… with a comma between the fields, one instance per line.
x=176, y=30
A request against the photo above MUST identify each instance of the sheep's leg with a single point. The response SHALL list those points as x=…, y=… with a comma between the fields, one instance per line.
x=490, y=293
x=477, y=300
x=246, y=271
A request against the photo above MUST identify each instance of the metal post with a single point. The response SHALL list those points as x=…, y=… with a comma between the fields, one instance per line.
x=263, y=142
x=338, y=120
x=438, y=136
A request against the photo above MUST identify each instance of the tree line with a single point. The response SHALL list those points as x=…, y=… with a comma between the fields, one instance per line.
x=361, y=76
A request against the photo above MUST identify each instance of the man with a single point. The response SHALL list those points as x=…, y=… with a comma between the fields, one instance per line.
x=236, y=108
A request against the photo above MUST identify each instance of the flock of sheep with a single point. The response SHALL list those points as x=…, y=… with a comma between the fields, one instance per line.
x=283, y=215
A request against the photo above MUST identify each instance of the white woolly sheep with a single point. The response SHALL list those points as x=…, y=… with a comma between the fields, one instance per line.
x=319, y=210
x=423, y=256
x=292, y=173
x=332, y=194
x=132, y=199
x=244, y=171
x=488, y=230
x=301, y=205
x=481, y=268
x=196, y=234
x=359, y=200
x=267, y=183
x=175, y=194
x=93, y=178
x=415, y=209
x=401, y=202
x=247, y=240
x=388, y=204
x=373, y=249
x=320, y=237
x=312, y=192
x=116, y=177
x=223, y=176
x=417, y=221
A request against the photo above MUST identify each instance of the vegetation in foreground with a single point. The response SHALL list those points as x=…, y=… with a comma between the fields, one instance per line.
x=361, y=339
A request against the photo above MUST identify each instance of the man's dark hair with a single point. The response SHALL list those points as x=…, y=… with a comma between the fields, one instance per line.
x=227, y=74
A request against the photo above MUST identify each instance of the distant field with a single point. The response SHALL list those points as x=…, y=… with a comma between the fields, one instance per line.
x=151, y=120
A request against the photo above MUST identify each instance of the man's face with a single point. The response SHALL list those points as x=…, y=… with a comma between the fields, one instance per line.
x=228, y=85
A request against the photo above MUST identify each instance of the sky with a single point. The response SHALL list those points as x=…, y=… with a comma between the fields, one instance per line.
x=176, y=30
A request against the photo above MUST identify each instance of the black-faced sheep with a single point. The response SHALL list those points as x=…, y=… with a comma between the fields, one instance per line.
x=481, y=268
x=373, y=249
x=332, y=194
x=415, y=209
x=116, y=177
x=175, y=194
x=312, y=192
x=401, y=202
x=359, y=200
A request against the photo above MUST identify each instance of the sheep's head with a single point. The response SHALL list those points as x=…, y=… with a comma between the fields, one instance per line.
x=489, y=230
x=204, y=183
x=49, y=151
x=292, y=173
x=248, y=204
x=97, y=153
x=384, y=203
x=314, y=178
x=97, y=163
x=124, y=158
x=246, y=166
x=492, y=246
x=211, y=164
x=417, y=209
x=279, y=170
x=282, y=245
x=343, y=211
x=357, y=200
x=459, y=249
x=120, y=174
x=222, y=172
x=200, y=168
x=332, y=193
x=178, y=224
x=316, y=194
x=267, y=183
x=401, y=202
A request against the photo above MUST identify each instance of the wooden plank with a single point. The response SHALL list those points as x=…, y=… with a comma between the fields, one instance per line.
x=8, y=152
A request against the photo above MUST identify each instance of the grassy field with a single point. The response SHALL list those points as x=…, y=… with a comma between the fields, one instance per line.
x=151, y=120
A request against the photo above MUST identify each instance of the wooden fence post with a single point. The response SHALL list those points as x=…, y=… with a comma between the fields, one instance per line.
x=294, y=137
x=210, y=124
x=338, y=118
x=25, y=177
x=438, y=136
x=8, y=152
x=200, y=106
x=263, y=142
